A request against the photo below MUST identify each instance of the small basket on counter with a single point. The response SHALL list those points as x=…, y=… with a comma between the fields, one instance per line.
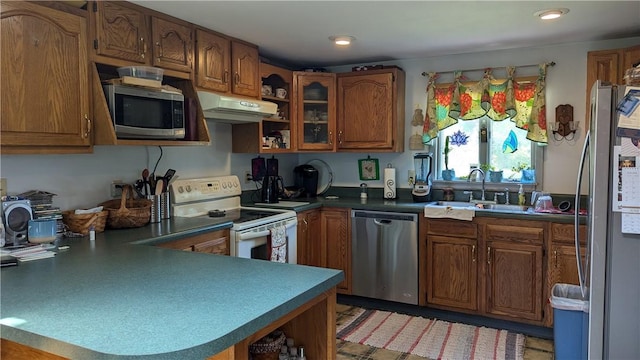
x=82, y=223
x=268, y=348
x=127, y=212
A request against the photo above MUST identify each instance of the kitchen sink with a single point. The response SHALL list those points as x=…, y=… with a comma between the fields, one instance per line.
x=506, y=207
x=455, y=203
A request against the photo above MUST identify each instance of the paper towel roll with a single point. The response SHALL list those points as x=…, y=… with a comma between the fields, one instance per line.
x=389, y=183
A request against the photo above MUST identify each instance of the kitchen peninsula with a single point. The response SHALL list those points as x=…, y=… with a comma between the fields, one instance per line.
x=120, y=297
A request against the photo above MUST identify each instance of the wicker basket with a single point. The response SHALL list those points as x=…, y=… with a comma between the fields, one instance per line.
x=268, y=348
x=81, y=223
x=127, y=212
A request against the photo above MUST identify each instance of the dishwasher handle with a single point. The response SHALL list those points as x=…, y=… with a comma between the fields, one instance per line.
x=384, y=216
x=382, y=222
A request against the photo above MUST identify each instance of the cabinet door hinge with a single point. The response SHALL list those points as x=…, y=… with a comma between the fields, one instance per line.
x=95, y=6
x=95, y=44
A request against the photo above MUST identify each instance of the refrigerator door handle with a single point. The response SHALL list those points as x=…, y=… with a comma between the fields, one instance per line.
x=576, y=218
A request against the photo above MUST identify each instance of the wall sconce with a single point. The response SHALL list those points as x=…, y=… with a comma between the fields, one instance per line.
x=564, y=127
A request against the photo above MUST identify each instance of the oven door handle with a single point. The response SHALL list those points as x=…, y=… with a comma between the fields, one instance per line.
x=253, y=235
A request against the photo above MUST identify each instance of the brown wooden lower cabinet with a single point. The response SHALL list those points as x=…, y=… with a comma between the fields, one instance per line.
x=312, y=249
x=14, y=350
x=452, y=274
x=488, y=266
x=562, y=267
x=336, y=233
x=513, y=283
x=214, y=242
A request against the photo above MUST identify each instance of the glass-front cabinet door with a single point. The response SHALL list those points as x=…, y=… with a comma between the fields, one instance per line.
x=315, y=110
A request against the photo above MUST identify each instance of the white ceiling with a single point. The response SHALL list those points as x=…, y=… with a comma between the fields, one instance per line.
x=296, y=32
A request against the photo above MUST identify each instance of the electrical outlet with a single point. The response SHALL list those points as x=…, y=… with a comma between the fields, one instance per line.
x=116, y=188
x=248, y=177
x=412, y=177
x=3, y=186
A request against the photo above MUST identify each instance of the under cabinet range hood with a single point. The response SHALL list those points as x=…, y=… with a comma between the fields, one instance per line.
x=234, y=110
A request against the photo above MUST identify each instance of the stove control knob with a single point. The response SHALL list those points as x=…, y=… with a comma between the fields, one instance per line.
x=188, y=188
x=180, y=189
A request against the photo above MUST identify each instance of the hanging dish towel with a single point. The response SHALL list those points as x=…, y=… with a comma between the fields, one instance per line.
x=436, y=211
x=278, y=244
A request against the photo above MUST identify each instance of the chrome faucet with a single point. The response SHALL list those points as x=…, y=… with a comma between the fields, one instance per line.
x=483, y=179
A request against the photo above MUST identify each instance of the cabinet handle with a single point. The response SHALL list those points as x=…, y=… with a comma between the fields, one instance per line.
x=88, y=131
x=225, y=77
x=236, y=79
x=330, y=137
x=340, y=137
x=306, y=224
x=489, y=255
x=555, y=258
x=143, y=48
x=160, y=52
x=473, y=253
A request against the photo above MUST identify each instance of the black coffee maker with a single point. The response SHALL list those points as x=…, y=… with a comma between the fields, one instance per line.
x=306, y=180
x=271, y=183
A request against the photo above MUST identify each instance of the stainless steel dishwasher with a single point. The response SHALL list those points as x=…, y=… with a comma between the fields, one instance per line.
x=384, y=255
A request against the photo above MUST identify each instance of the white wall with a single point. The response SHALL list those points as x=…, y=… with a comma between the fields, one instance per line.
x=566, y=84
x=83, y=180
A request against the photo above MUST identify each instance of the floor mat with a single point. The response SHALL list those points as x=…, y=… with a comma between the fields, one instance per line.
x=430, y=338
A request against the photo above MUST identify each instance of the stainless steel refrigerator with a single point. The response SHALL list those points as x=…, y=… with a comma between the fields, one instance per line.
x=610, y=272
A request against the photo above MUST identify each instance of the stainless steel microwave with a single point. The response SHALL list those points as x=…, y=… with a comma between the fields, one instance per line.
x=140, y=113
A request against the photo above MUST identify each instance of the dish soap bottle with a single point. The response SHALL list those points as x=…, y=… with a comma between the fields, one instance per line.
x=521, y=198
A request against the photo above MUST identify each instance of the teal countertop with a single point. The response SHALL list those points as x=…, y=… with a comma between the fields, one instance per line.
x=118, y=297
x=407, y=205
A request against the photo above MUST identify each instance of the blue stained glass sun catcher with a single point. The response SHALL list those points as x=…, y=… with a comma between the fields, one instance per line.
x=459, y=138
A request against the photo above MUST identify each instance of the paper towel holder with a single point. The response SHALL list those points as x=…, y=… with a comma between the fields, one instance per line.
x=369, y=169
x=389, y=182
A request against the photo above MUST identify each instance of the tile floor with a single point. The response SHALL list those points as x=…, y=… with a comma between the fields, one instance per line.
x=535, y=348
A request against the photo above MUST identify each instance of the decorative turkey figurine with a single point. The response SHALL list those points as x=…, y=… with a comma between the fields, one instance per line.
x=418, y=118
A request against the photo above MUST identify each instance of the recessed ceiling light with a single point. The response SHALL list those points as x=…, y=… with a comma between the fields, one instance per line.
x=551, y=13
x=342, y=40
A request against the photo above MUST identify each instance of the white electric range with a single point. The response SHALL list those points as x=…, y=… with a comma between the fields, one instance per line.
x=220, y=197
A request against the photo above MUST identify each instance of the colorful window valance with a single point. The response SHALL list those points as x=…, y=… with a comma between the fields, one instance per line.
x=522, y=100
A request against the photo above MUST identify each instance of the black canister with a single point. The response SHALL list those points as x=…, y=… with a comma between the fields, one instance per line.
x=306, y=179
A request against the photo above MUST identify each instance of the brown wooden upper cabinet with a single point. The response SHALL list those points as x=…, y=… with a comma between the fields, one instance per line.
x=45, y=102
x=226, y=66
x=370, y=110
x=315, y=110
x=172, y=44
x=610, y=66
x=125, y=31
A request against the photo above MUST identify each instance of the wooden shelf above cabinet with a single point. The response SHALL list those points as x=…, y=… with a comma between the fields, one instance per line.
x=105, y=133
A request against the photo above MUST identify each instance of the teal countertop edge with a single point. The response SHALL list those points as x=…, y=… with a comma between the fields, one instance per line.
x=119, y=297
